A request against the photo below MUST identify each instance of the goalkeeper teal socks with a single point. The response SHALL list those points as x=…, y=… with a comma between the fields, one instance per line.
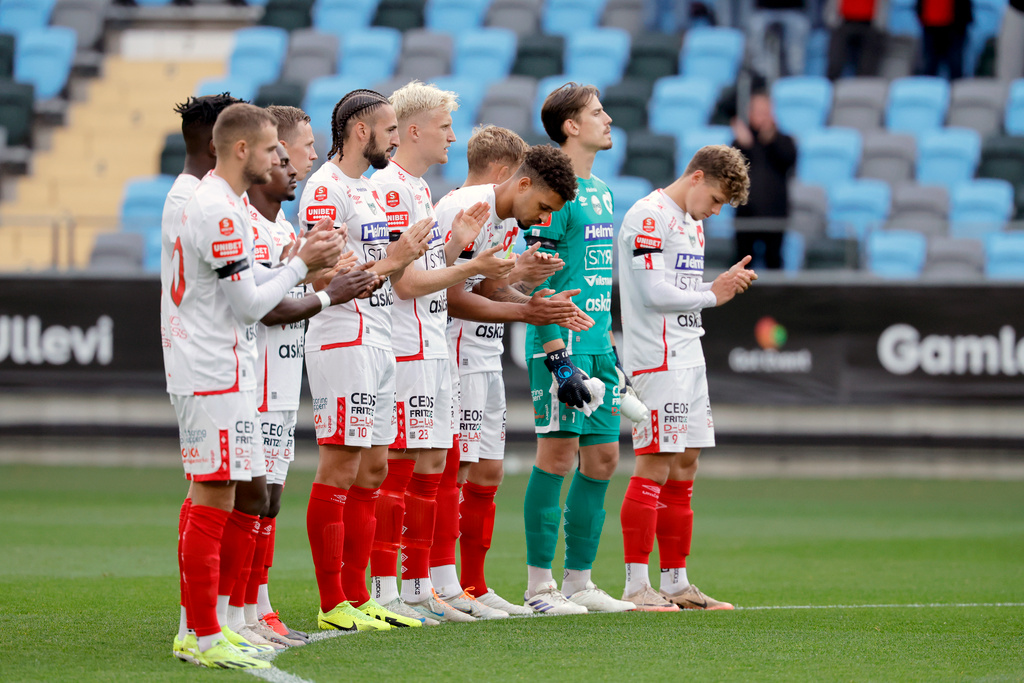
x=542, y=516
x=584, y=520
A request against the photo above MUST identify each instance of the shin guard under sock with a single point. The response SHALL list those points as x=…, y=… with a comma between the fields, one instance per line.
x=477, y=525
x=584, y=520
x=325, y=526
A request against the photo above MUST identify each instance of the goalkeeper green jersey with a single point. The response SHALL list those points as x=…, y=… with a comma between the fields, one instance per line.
x=581, y=233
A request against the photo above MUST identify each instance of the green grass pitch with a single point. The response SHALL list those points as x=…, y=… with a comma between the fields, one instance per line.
x=88, y=588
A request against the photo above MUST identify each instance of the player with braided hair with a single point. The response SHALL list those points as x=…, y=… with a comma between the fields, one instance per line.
x=351, y=364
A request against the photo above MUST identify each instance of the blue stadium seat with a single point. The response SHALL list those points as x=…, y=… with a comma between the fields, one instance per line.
x=370, y=55
x=794, y=249
x=828, y=156
x=695, y=138
x=457, y=168
x=565, y=17
x=471, y=94
x=1004, y=256
x=323, y=93
x=801, y=103
x=917, y=104
x=258, y=53
x=1014, y=122
x=239, y=86
x=896, y=254
x=455, y=16
x=712, y=52
x=43, y=58
x=980, y=207
x=608, y=163
x=19, y=16
x=485, y=55
x=857, y=207
x=681, y=103
x=598, y=56
x=626, y=191
x=987, y=17
x=903, y=19
x=816, y=63
x=342, y=17
x=141, y=210
x=160, y=3
x=545, y=87
x=723, y=225
x=948, y=156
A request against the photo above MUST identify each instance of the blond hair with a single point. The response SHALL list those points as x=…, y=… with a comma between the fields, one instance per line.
x=240, y=122
x=416, y=98
x=495, y=144
x=725, y=165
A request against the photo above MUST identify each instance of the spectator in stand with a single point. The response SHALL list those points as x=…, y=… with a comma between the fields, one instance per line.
x=772, y=157
x=858, y=35
x=945, y=34
x=791, y=16
x=1010, y=47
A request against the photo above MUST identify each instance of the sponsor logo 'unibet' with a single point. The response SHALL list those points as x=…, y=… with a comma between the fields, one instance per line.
x=902, y=350
x=770, y=336
x=25, y=342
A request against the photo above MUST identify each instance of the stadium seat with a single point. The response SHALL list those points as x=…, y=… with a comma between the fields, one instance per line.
x=859, y=103
x=951, y=259
x=86, y=17
x=979, y=207
x=425, y=55
x=545, y=87
x=238, y=86
x=142, y=207
x=370, y=55
x=19, y=16
x=455, y=16
x=16, y=111
x=457, y=168
x=627, y=191
x=919, y=208
x=896, y=254
x=628, y=15
x=978, y=103
x=519, y=16
x=712, y=52
x=288, y=15
x=597, y=57
x=857, y=207
x=626, y=103
x=650, y=156
x=1004, y=256
x=118, y=252
x=484, y=55
x=608, y=162
x=917, y=104
x=342, y=17
x=653, y=56
x=899, y=57
x=888, y=156
x=401, y=15
x=987, y=16
x=43, y=58
x=509, y=104
x=282, y=92
x=828, y=156
x=539, y=56
x=801, y=103
x=816, y=59
x=808, y=209
x=903, y=20
x=258, y=54
x=1014, y=121
x=695, y=138
x=948, y=156
x=681, y=103
x=172, y=156
x=311, y=54
x=323, y=94
x=1003, y=157
x=6, y=55
x=565, y=17
x=471, y=94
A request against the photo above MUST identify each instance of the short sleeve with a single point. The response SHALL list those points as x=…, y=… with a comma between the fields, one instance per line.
x=322, y=201
x=221, y=238
x=398, y=204
x=643, y=232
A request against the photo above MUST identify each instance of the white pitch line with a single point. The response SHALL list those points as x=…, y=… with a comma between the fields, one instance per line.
x=905, y=605
x=276, y=675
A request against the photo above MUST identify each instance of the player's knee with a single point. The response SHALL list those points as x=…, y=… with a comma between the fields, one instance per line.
x=252, y=500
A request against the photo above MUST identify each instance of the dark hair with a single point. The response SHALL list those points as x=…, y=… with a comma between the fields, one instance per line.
x=288, y=118
x=359, y=102
x=198, y=114
x=552, y=168
x=563, y=104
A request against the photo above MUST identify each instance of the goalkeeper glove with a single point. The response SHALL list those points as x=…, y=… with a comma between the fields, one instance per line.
x=571, y=388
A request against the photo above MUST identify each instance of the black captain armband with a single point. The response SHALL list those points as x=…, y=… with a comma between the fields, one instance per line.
x=545, y=243
x=642, y=252
x=233, y=268
x=467, y=254
x=394, y=235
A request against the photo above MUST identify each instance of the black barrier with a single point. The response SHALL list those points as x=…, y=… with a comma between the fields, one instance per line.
x=780, y=343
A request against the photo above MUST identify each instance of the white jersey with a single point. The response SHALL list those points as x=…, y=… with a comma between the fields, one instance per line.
x=355, y=202
x=181, y=191
x=279, y=347
x=210, y=350
x=476, y=347
x=657, y=235
x=419, y=324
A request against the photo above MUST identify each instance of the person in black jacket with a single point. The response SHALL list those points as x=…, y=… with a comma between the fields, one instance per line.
x=772, y=157
x=944, y=24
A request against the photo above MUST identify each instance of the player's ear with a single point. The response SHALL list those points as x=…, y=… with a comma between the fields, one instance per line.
x=524, y=184
x=697, y=177
x=570, y=127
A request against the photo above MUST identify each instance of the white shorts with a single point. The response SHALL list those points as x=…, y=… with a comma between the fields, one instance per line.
x=423, y=404
x=353, y=391
x=481, y=432
x=278, y=427
x=218, y=436
x=680, y=411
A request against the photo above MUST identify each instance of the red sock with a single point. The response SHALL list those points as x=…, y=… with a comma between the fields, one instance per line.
x=446, y=521
x=420, y=509
x=675, y=523
x=269, y=561
x=325, y=525
x=477, y=525
x=239, y=536
x=242, y=582
x=182, y=520
x=360, y=522
x=639, y=517
x=390, y=514
x=200, y=553
x=258, y=570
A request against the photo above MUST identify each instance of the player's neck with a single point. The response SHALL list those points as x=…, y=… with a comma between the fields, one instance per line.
x=353, y=166
x=503, y=195
x=678, y=191
x=198, y=167
x=410, y=162
x=267, y=207
x=582, y=159
x=233, y=176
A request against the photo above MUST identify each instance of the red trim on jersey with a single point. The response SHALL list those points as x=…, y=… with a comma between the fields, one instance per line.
x=400, y=435
x=358, y=341
x=338, y=437
x=419, y=325
x=664, y=342
x=232, y=389
x=458, y=350
x=655, y=445
x=223, y=472
x=263, y=406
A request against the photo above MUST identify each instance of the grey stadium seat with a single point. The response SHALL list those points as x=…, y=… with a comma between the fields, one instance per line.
x=521, y=16
x=920, y=208
x=978, y=103
x=87, y=18
x=425, y=55
x=311, y=54
x=952, y=259
x=808, y=209
x=629, y=15
x=509, y=104
x=859, y=103
x=888, y=156
x=117, y=251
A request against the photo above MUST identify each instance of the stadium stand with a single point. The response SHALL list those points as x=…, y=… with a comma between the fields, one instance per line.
x=370, y=55
x=239, y=86
x=258, y=54
x=626, y=103
x=455, y=16
x=6, y=55
x=565, y=17
x=287, y=15
x=859, y=103
x=801, y=103
x=650, y=156
x=43, y=57
x=917, y=104
x=948, y=156
x=628, y=15
x=87, y=18
x=695, y=138
x=712, y=52
x=290, y=94
x=172, y=156
x=16, y=112
x=520, y=16
x=484, y=55
x=1004, y=256
x=627, y=191
x=20, y=16
x=977, y=103
x=471, y=94
x=311, y=53
x=680, y=103
x=401, y=15
x=141, y=210
x=510, y=104
x=979, y=207
x=425, y=55
x=1002, y=157
x=539, y=56
x=609, y=163
x=343, y=16
x=118, y=252
x=918, y=208
x=598, y=56
x=952, y=259
x=896, y=254
x=828, y=156
x=888, y=156
x=1013, y=122
x=653, y=56
x=322, y=95
x=857, y=207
